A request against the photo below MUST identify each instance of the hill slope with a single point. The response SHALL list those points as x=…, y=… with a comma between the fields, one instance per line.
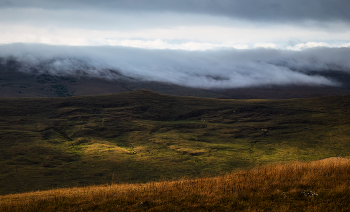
x=316, y=186
x=17, y=84
x=143, y=136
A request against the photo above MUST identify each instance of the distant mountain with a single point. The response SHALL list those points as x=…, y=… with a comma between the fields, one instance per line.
x=284, y=92
x=17, y=84
x=14, y=83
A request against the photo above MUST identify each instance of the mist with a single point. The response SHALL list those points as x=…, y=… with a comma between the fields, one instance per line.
x=220, y=68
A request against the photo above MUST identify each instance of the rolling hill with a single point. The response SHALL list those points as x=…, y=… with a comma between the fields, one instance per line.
x=142, y=136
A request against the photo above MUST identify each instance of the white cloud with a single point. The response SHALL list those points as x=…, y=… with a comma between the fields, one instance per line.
x=158, y=30
x=265, y=45
x=302, y=46
x=225, y=68
x=186, y=37
x=345, y=45
x=159, y=44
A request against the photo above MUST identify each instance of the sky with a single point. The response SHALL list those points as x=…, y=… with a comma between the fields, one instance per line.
x=197, y=43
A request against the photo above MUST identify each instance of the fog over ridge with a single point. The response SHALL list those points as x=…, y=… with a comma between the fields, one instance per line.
x=220, y=68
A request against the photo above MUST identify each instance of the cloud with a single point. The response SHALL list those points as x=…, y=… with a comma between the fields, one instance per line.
x=190, y=24
x=265, y=45
x=232, y=43
x=270, y=10
x=225, y=68
x=345, y=45
x=303, y=46
x=159, y=44
x=174, y=37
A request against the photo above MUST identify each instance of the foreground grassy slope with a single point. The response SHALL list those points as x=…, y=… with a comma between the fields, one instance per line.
x=314, y=186
x=77, y=141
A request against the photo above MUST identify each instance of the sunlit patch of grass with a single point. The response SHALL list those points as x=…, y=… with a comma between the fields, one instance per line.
x=102, y=148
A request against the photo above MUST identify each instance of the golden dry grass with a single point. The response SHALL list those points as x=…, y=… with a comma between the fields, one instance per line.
x=276, y=187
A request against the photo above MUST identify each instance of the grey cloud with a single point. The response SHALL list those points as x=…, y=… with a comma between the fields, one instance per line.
x=6, y=4
x=101, y=20
x=224, y=68
x=267, y=10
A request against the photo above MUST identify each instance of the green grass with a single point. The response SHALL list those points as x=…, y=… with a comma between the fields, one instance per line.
x=50, y=143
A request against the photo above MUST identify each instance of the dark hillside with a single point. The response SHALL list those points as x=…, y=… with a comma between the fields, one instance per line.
x=14, y=83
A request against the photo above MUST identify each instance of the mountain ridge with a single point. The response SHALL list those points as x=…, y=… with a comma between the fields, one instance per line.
x=14, y=83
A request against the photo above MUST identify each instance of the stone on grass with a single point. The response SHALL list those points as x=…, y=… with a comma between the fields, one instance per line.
x=308, y=193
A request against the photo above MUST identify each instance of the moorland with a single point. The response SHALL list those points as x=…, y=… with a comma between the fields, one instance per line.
x=142, y=136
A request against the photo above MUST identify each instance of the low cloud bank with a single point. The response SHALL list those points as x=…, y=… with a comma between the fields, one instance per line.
x=224, y=68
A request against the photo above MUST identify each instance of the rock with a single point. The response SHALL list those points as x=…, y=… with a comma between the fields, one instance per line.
x=145, y=204
x=308, y=194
